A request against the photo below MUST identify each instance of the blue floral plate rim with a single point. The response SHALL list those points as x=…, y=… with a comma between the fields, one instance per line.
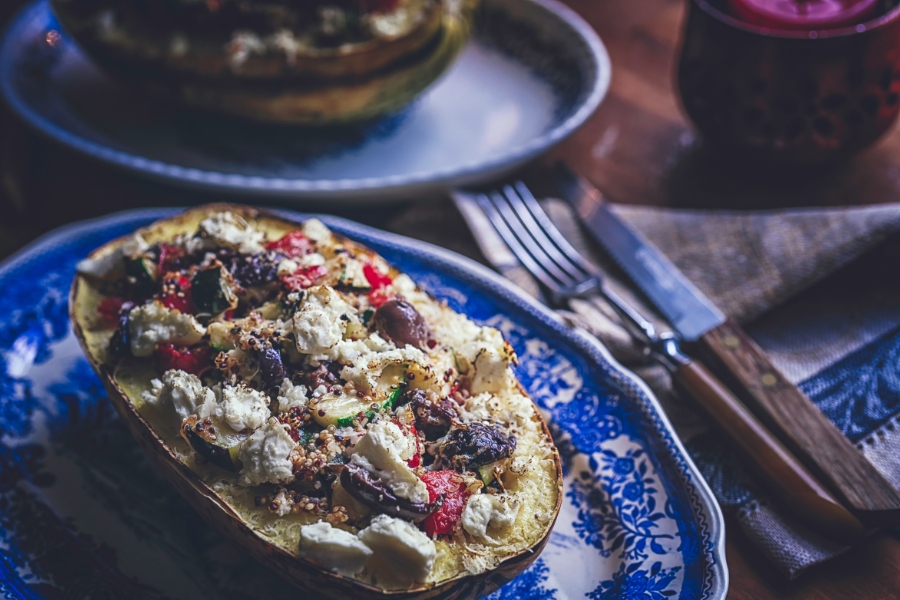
x=369, y=189
x=712, y=533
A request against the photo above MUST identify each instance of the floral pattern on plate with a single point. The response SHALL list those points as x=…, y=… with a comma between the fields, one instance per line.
x=83, y=512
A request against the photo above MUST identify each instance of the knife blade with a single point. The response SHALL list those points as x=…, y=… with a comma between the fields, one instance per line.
x=778, y=402
x=685, y=307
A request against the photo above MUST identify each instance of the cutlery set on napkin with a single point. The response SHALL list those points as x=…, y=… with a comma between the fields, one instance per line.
x=800, y=457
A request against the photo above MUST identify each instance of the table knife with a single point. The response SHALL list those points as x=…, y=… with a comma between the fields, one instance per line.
x=776, y=401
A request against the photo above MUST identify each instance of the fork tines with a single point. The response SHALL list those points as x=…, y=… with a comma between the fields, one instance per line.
x=534, y=239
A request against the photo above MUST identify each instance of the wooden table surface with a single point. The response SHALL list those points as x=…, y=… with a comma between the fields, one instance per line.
x=638, y=148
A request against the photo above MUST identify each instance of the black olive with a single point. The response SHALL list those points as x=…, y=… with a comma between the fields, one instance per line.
x=271, y=369
x=325, y=374
x=434, y=420
x=473, y=445
x=400, y=322
x=373, y=492
x=409, y=396
x=215, y=454
x=259, y=270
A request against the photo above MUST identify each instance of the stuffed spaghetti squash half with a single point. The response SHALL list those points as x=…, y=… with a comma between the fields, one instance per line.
x=327, y=415
x=313, y=62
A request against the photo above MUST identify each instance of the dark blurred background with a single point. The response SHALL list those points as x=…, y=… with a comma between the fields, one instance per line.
x=638, y=148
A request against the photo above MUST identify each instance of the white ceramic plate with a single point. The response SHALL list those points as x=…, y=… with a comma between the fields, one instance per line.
x=532, y=74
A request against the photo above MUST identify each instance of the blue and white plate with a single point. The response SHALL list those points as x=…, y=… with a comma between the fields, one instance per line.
x=84, y=514
x=532, y=74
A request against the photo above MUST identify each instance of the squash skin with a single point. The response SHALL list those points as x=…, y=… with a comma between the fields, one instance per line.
x=345, y=85
x=300, y=572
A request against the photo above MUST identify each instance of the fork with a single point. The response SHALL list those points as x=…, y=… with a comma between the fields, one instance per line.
x=565, y=274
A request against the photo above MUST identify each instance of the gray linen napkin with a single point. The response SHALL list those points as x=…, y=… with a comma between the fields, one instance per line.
x=839, y=340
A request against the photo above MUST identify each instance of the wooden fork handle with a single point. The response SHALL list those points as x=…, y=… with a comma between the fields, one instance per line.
x=783, y=475
x=803, y=428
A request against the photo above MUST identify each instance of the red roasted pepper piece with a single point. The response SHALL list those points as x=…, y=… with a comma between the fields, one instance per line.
x=292, y=245
x=192, y=360
x=416, y=460
x=452, y=487
x=111, y=308
x=379, y=281
x=303, y=278
x=167, y=257
x=378, y=297
x=183, y=302
x=376, y=278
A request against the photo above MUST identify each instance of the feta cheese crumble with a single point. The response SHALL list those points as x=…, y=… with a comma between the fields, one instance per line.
x=489, y=510
x=485, y=359
x=244, y=408
x=408, y=551
x=243, y=44
x=112, y=263
x=315, y=230
x=154, y=324
x=265, y=455
x=383, y=451
x=319, y=325
x=337, y=550
x=291, y=396
x=233, y=232
x=286, y=267
x=181, y=393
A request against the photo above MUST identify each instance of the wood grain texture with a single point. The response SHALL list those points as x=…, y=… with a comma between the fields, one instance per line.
x=782, y=473
x=803, y=427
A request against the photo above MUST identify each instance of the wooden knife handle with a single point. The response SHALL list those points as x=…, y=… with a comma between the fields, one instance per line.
x=783, y=475
x=803, y=428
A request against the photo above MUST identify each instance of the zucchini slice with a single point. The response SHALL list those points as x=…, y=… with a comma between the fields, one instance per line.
x=271, y=310
x=145, y=274
x=407, y=375
x=224, y=458
x=211, y=292
x=340, y=411
x=492, y=471
x=337, y=410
